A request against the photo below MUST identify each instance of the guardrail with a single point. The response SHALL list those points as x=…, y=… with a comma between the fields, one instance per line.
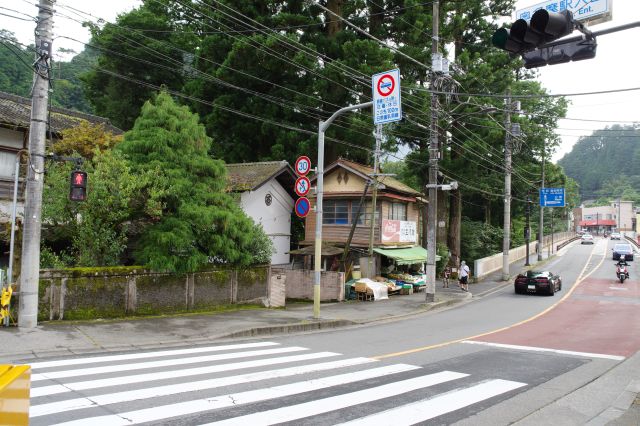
x=564, y=243
x=15, y=384
x=632, y=241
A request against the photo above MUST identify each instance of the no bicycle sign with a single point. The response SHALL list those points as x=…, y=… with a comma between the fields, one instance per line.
x=386, y=97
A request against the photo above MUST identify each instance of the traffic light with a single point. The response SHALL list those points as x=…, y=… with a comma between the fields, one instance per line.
x=534, y=40
x=561, y=53
x=78, y=190
x=544, y=27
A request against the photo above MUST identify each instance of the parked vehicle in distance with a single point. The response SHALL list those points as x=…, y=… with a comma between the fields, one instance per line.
x=586, y=239
x=543, y=282
x=622, y=249
x=615, y=236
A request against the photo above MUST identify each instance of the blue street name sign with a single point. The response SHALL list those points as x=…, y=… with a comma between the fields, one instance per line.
x=552, y=197
x=591, y=11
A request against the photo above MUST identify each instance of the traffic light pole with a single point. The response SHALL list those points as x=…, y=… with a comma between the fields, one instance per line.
x=507, y=191
x=434, y=151
x=30, y=265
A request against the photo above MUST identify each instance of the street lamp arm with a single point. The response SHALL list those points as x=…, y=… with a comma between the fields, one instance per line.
x=325, y=124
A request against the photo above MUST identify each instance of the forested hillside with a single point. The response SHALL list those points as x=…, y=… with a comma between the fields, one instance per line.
x=16, y=76
x=606, y=164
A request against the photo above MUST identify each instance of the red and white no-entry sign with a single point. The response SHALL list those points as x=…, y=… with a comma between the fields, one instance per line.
x=385, y=85
x=386, y=97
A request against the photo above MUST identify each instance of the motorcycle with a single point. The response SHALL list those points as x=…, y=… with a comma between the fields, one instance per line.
x=622, y=272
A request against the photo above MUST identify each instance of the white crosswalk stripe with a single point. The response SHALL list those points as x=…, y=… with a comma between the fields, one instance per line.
x=277, y=386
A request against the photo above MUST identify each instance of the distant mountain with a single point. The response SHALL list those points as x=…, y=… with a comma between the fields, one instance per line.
x=16, y=75
x=606, y=164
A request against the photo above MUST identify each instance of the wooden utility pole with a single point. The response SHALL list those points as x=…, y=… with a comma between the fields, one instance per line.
x=30, y=265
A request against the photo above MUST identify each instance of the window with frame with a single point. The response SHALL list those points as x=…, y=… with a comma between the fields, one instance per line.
x=335, y=212
x=398, y=211
x=364, y=218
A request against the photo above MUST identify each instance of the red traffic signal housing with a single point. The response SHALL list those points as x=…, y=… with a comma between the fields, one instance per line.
x=78, y=190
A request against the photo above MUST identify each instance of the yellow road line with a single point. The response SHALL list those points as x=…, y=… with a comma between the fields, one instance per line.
x=578, y=281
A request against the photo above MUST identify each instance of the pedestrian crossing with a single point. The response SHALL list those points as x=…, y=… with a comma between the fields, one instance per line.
x=260, y=383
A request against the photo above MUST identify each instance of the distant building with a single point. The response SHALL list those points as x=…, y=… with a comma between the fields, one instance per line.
x=618, y=216
x=267, y=196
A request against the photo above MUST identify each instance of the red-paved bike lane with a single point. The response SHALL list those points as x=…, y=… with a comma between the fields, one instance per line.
x=600, y=316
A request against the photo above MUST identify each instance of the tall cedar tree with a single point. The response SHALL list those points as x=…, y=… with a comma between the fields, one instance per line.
x=189, y=218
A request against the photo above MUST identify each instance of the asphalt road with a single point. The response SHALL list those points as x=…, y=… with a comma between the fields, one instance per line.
x=500, y=359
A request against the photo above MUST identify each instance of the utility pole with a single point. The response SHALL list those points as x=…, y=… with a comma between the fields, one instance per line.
x=376, y=156
x=30, y=265
x=527, y=229
x=507, y=190
x=434, y=151
x=541, y=224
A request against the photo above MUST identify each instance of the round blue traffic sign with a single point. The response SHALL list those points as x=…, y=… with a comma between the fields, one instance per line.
x=302, y=206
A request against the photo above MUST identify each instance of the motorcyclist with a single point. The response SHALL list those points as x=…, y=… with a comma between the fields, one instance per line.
x=621, y=265
x=622, y=261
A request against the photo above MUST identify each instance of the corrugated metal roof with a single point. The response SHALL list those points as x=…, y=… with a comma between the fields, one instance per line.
x=15, y=112
x=249, y=176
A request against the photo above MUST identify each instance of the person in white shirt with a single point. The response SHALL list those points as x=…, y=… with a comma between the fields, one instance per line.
x=463, y=276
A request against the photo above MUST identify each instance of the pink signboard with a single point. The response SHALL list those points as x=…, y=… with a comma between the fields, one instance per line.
x=398, y=231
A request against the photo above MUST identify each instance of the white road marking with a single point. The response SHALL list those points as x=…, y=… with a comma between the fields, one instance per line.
x=113, y=398
x=312, y=408
x=537, y=349
x=430, y=408
x=619, y=288
x=161, y=363
x=229, y=400
x=141, y=355
x=172, y=374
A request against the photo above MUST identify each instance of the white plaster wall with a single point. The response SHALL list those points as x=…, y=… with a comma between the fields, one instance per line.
x=275, y=219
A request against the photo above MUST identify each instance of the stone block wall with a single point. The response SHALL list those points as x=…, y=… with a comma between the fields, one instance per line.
x=87, y=293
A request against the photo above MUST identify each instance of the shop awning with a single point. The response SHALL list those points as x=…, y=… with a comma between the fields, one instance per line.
x=405, y=256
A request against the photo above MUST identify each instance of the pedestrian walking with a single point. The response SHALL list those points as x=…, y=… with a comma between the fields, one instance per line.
x=463, y=276
x=446, y=274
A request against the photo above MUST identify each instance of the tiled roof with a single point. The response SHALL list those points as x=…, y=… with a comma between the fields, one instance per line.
x=387, y=181
x=249, y=176
x=15, y=111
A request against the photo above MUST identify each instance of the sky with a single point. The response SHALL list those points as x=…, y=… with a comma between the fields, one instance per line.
x=616, y=65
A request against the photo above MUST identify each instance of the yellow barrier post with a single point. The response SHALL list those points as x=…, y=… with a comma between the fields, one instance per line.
x=15, y=386
x=5, y=302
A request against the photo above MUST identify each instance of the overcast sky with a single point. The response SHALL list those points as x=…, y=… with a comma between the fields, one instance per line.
x=616, y=66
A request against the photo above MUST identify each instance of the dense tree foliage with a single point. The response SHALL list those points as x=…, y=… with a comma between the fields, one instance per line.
x=606, y=164
x=92, y=233
x=262, y=74
x=16, y=74
x=188, y=218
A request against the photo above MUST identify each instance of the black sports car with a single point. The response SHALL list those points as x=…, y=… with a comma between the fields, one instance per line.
x=538, y=282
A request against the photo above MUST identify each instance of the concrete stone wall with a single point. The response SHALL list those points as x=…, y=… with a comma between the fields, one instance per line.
x=117, y=292
x=299, y=285
x=486, y=265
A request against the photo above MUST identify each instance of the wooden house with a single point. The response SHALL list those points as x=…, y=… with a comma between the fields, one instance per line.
x=398, y=210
